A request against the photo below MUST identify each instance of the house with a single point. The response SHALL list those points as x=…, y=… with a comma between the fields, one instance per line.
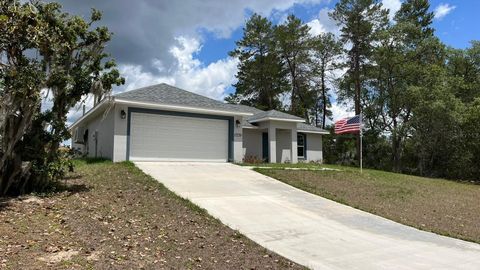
x=165, y=123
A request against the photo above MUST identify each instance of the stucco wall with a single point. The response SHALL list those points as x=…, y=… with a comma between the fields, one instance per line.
x=252, y=143
x=237, y=140
x=121, y=138
x=120, y=134
x=284, y=144
x=102, y=127
x=314, y=148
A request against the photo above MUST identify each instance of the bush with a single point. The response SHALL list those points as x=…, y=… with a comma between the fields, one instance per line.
x=252, y=160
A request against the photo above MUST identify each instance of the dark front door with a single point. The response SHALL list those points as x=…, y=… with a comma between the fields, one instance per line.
x=265, y=146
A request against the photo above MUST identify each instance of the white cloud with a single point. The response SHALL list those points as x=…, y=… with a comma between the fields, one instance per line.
x=393, y=6
x=443, y=10
x=316, y=27
x=77, y=111
x=323, y=23
x=146, y=29
x=161, y=40
x=340, y=111
x=191, y=74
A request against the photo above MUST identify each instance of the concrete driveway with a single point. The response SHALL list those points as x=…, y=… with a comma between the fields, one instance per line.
x=306, y=228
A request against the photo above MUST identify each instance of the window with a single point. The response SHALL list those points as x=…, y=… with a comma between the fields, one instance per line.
x=301, y=145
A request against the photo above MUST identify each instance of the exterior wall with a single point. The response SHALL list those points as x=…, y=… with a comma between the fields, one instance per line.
x=237, y=140
x=78, y=146
x=273, y=127
x=284, y=146
x=102, y=146
x=120, y=134
x=282, y=139
x=112, y=139
x=314, y=147
x=252, y=143
x=294, y=146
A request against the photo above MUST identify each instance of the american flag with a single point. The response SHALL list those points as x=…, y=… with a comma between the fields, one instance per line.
x=348, y=125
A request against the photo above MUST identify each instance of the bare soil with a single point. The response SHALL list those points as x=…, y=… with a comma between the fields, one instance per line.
x=112, y=216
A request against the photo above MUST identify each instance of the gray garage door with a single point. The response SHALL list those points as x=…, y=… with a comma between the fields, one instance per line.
x=155, y=137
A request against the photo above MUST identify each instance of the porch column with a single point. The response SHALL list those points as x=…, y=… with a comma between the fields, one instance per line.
x=272, y=144
x=294, y=152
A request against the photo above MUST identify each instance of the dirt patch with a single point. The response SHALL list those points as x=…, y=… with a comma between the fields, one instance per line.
x=59, y=256
x=441, y=206
x=121, y=219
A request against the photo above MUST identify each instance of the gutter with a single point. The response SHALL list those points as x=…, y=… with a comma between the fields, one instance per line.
x=277, y=119
x=313, y=132
x=179, y=108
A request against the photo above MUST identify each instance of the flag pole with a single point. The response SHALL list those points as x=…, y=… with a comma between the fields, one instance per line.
x=361, y=139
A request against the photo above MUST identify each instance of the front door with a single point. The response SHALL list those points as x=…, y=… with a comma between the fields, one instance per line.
x=265, y=146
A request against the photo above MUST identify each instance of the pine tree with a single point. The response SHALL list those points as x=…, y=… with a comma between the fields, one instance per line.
x=360, y=22
x=326, y=50
x=293, y=45
x=261, y=77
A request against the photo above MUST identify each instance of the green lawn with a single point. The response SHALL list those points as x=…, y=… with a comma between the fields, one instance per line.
x=441, y=206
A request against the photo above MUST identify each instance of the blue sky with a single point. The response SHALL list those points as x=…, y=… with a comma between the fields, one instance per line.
x=186, y=43
x=456, y=29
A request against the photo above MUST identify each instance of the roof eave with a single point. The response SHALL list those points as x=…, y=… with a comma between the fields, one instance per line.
x=313, y=132
x=250, y=127
x=92, y=111
x=180, y=108
x=276, y=119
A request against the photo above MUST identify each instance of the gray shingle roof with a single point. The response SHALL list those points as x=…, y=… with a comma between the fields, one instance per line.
x=306, y=127
x=272, y=114
x=171, y=95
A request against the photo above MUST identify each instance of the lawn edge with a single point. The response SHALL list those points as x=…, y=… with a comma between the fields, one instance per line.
x=200, y=210
x=300, y=187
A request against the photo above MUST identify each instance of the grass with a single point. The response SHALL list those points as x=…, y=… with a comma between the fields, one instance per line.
x=445, y=207
x=120, y=219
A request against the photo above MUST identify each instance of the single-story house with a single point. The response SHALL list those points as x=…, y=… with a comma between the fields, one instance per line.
x=165, y=123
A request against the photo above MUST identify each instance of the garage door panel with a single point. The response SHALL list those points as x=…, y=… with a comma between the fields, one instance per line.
x=177, y=138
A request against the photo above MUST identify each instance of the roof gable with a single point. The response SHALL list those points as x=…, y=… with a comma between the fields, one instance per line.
x=274, y=115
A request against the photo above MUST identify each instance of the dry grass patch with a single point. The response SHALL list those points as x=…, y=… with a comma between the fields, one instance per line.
x=441, y=206
x=114, y=216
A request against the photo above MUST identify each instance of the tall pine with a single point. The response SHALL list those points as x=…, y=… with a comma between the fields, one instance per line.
x=326, y=50
x=261, y=77
x=293, y=46
x=360, y=22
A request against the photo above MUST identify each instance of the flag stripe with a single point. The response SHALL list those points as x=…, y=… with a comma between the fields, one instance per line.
x=348, y=125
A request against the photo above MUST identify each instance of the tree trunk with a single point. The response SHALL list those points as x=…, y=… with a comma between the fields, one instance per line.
x=13, y=130
x=356, y=71
x=324, y=97
x=396, y=152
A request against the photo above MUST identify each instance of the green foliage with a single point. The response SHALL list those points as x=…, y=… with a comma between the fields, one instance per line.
x=261, y=76
x=44, y=48
x=326, y=53
x=282, y=61
x=360, y=21
x=419, y=99
x=294, y=47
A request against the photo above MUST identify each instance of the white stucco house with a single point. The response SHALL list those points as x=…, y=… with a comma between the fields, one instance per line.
x=165, y=123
